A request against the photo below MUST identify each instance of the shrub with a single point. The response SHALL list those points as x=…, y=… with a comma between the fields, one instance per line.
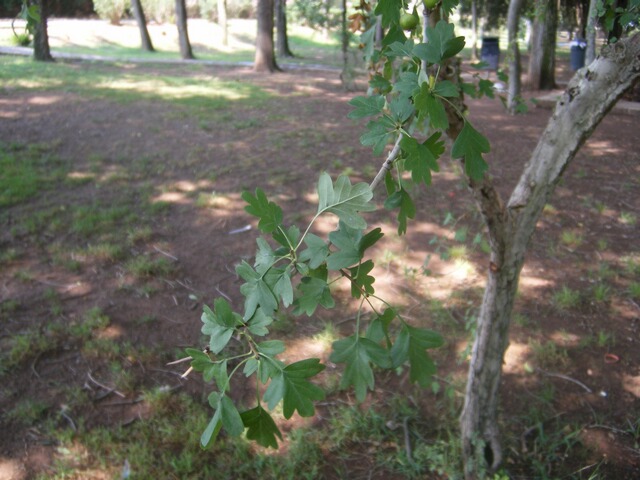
x=111, y=10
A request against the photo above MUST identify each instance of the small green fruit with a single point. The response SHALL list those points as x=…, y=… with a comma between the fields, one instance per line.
x=409, y=21
x=430, y=3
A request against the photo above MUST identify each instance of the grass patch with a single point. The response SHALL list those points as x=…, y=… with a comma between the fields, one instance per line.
x=144, y=266
x=566, y=298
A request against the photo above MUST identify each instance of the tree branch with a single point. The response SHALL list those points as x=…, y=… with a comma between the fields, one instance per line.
x=386, y=166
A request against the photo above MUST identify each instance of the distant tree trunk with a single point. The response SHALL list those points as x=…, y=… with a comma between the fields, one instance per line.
x=590, y=54
x=515, y=68
x=183, y=34
x=138, y=12
x=618, y=28
x=589, y=96
x=474, y=30
x=41, y=50
x=282, y=40
x=542, y=62
x=222, y=21
x=265, y=60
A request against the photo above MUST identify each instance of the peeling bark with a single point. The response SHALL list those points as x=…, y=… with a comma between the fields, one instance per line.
x=589, y=96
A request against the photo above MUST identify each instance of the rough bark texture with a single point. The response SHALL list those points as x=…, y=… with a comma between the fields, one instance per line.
x=542, y=62
x=41, y=51
x=515, y=68
x=589, y=96
x=222, y=21
x=265, y=59
x=183, y=34
x=282, y=40
x=141, y=20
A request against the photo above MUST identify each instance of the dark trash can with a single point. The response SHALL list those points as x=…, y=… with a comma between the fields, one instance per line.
x=490, y=52
x=577, y=54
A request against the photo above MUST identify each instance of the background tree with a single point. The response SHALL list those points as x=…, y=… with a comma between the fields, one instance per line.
x=41, y=50
x=515, y=66
x=592, y=18
x=141, y=20
x=222, y=21
x=265, y=60
x=183, y=33
x=542, y=60
x=282, y=39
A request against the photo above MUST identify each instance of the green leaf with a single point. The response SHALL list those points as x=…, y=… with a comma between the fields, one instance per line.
x=367, y=39
x=470, y=145
x=260, y=427
x=226, y=416
x=369, y=240
x=278, y=281
x=313, y=292
x=400, y=49
x=428, y=105
x=435, y=146
x=420, y=160
x=379, y=327
x=442, y=44
x=393, y=35
x=389, y=10
x=316, y=252
x=213, y=428
x=446, y=88
x=219, y=325
x=251, y=366
x=412, y=344
x=380, y=85
x=344, y=200
x=265, y=257
x=358, y=353
x=292, y=386
x=361, y=281
x=269, y=213
x=366, y=106
x=259, y=323
x=402, y=199
x=407, y=84
x=401, y=109
x=485, y=87
x=347, y=241
x=256, y=292
x=270, y=348
x=287, y=238
x=377, y=134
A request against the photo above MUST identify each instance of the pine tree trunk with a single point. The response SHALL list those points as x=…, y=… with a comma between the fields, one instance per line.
x=41, y=50
x=183, y=33
x=591, y=93
x=265, y=59
x=515, y=68
x=141, y=20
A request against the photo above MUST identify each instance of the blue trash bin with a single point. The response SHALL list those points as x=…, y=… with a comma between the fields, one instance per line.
x=577, y=54
x=490, y=52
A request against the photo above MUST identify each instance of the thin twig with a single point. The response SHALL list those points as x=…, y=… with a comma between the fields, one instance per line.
x=564, y=377
x=68, y=419
x=101, y=385
x=165, y=253
x=386, y=166
x=407, y=439
x=180, y=360
x=223, y=294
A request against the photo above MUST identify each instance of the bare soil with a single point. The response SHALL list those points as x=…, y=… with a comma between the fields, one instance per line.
x=595, y=385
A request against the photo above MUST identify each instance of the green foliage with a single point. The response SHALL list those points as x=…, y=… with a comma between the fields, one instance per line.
x=111, y=10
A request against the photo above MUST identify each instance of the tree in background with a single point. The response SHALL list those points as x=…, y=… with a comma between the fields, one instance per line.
x=183, y=33
x=265, y=60
x=41, y=50
x=222, y=21
x=513, y=55
x=141, y=20
x=542, y=60
x=282, y=39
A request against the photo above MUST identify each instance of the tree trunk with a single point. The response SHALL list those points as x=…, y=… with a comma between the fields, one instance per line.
x=591, y=93
x=542, y=62
x=590, y=54
x=474, y=31
x=282, y=40
x=41, y=50
x=515, y=68
x=138, y=12
x=222, y=21
x=265, y=59
x=183, y=34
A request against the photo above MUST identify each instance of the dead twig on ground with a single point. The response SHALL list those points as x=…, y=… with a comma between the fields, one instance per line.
x=103, y=386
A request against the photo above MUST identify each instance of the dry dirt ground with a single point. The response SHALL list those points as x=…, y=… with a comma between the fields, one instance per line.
x=587, y=237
